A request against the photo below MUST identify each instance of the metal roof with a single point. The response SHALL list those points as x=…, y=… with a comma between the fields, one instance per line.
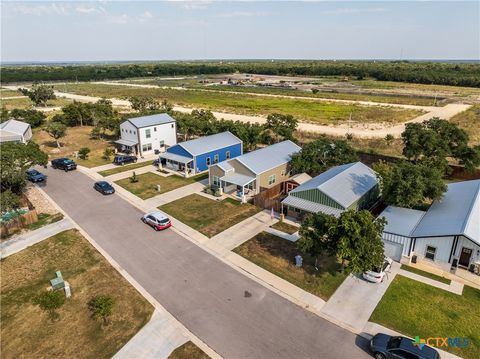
x=311, y=207
x=269, y=157
x=210, y=143
x=122, y=141
x=300, y=178
x=225, y=166
x=345, y=184
x=238, y=179
x=7, y=136
x=152, y=120
x=174, y=157
x=14, y=126
x=457, y=213
x=401, y=221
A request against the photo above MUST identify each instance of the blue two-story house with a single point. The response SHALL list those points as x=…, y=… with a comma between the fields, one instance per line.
x=197, y=155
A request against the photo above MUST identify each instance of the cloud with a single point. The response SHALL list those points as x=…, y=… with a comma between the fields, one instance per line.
x=90, y=9
x=40, y=10
x=117, y=19
x=241, y=14
x=354, y=10
x=192, y=5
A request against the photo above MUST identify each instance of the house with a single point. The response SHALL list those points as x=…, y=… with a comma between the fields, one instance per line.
x=147, y=134
x=15, y=131
x=446, y=235
x=255, y=171
x=349, y=186
x=197, y=155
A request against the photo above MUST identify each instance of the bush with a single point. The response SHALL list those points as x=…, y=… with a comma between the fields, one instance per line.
x=134, y=178
x=314, y=90
x=50, y=301
x=107, y=153
x=95, y=133
x=101, y=307
x=83, y=153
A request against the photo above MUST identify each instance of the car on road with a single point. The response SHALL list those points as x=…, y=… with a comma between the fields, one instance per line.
x=124, y=159
x=157, y=220
x=384, y=346
x=65, y=164
x=377, y=275
x=35, y=176
x=104, y=187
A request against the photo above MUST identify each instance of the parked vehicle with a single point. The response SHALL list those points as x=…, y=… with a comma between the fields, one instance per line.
x=377, y=275
x=104, y=187
x=123, y=159
x=157, y=220
x=384, y=346
x=65, y=164
x=35, y=176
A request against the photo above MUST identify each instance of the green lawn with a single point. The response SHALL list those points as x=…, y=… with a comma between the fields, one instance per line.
x=414, y=308
x=285, y=227
x=208, y=216
x=124, y=168
x=43, y=220
x=426, y=274
x=277, y=255
x=28, y=332
x=188, y=351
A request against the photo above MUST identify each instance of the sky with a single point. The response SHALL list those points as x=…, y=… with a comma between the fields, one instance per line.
x=185, y=30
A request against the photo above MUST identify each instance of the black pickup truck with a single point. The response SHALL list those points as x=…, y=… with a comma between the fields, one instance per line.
x=65, y=164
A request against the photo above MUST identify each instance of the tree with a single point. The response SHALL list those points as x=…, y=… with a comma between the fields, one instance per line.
x=101, y=307
x=406, y=184
x=389, y=139
x=321, y=154
x=283, y=126
x=39, y=94
x=83, y=153
x=50, y=301
x=9, y=201
x=143, y=104
x=33, y=117
x=355, y=238
x=57, y=130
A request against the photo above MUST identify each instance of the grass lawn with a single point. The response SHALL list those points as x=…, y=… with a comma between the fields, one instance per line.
x=426, y=274
x=27, y=331
x=147, y=182
x=24, y=103
x=208, y=216
x=469, y=120
x=277, y=255
x=124, y=168
x=414, y=308
x=188, y=351
x=285, y=227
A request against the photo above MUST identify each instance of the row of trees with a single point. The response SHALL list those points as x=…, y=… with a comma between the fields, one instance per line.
x=460, y=74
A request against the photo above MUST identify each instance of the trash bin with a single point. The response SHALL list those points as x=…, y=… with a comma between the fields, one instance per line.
x=298, y=260
x=414, y=259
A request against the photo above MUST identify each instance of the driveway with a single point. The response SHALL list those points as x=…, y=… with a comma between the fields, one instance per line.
x=202, y=292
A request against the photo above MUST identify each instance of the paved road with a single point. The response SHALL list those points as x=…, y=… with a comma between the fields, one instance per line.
x=203, y=293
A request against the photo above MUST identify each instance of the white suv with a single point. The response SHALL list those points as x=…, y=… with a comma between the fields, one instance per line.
x=376, y=275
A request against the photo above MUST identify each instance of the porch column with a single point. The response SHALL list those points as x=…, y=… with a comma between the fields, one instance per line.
x=244, y=200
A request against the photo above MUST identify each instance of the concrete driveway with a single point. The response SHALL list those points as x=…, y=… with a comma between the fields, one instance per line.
x=355, y=300
x=202, y=292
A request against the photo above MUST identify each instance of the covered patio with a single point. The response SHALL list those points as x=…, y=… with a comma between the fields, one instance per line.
x=238, y=185
x=127, y=146
x=176, y=162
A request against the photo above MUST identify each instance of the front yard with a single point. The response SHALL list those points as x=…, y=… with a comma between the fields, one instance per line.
x=285, y=227
x=277, y=255
x=414, y=308
x=208, y=216
x=146, y=187
x=120, y=169
x=28, y=332
x=188, y=351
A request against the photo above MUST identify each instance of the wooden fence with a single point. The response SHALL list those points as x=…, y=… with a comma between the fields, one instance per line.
x=270, y=198
x=19, y=222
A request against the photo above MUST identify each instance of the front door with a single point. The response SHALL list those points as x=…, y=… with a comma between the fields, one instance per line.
x=465, y=257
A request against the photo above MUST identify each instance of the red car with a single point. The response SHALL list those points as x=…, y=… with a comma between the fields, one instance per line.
x=157, y=220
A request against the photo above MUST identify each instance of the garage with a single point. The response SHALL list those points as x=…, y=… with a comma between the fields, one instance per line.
x=393, y=250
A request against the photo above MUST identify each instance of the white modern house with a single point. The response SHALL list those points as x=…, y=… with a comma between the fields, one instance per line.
x=147, y=134
x=15, y=131
x=446, y=235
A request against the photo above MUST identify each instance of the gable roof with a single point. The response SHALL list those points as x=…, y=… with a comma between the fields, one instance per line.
x=210, y=143
x=152, y=120
x=457, y=213
x=13, y=130
x=300, y=178
x=401, y=221
x=269, y=157
x=344, y=184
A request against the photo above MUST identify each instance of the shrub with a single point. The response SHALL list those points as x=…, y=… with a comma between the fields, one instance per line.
x=83, y=153
x=50, y=301
x=389, y=138
x=101, y=307
x=108, y=153
x=95, y=133
x=349, y=136
x=134, y=178
x=314, y=90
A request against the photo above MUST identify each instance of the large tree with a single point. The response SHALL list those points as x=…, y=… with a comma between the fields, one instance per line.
x=354, y=237
x=143, y=103
x=57, y=130
x=39, y=93
x=283, y=126
x=33, y=117
x=321, y=154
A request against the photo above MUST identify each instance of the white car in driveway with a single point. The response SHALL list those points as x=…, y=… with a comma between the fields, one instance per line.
x=377, y=275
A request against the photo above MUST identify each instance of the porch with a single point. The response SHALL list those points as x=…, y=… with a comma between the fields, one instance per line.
x=127, y=146
x=181, y=164
x=237, y=186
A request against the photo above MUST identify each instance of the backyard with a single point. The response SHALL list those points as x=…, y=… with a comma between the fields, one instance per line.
x=417, y=309
x=208, y=216
x=277, y=255
x=28, y=332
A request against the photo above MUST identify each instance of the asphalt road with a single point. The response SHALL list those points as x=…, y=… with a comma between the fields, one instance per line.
x=203, y=293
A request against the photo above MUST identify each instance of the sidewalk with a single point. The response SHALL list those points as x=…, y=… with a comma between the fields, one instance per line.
x=289, y=237
x=454, y=287
x=28, y=239
x=175, y=194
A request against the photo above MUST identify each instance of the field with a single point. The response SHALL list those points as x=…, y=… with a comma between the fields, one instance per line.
x=470, y=121
x=9, y=93
x=306, y=110
x=27, y=331
x=24, y=103
x=277, y=255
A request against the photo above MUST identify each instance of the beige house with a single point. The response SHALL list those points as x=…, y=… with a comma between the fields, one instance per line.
x=253, y=172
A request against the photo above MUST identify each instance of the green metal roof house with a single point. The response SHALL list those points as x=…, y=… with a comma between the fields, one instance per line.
x=349, y=186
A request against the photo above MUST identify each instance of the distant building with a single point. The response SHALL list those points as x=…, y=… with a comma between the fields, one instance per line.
x=147, y=134
x=15, y=131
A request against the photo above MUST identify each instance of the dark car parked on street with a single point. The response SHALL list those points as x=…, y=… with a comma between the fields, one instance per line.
x=35, y=176
x=65, y=164
x=123, y=159
x=384, y=346
x=104, y=187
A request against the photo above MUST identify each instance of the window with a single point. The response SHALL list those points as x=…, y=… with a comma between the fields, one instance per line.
x=130, y=131
x=215, y=159
x=271, y=180
x=162, y=143
x=134, y=132
x=173, y=125
x=148, y=133
x=154, y=129
x=147, y=147
x=227, y=155
x=209, y=161
x=430, y=253
x=216, y=181
x=123, y=130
